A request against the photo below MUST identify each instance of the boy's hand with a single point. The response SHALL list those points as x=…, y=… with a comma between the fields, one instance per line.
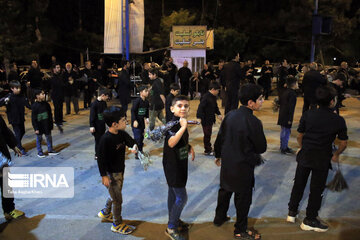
x=220, y=117
x=134, y=149
x=17, y=151
x=335, y=158
x=106, y=181
x=297, y=151
x=192, y=152
x=92, y=129
x=147, y=121
x=183, y=122
x=37, y=132
x=135, y=124
x=218, y=162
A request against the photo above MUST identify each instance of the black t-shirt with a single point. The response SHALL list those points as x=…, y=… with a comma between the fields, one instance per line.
x=139, y=111
x=111, y=152
x=175, y=160
x=41, y=117
x=96, y=115
x=320, y=128
x=156, y=90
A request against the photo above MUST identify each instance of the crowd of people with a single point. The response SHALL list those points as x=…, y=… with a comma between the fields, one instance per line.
x=239, y=142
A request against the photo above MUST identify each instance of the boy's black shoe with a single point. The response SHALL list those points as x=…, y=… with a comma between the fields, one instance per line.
x=60, y=128
x=289, y=150
x=209, y=153
x=313, y=225
x=220, y=222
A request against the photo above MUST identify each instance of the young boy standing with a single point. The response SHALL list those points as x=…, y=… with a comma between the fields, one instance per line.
x=111, y=163
x=287, y=103
x=97, y=123
x=140, y=112
x=174, y=91
x=15, y=110
x=206, y=113
x=317, y=129
x=42, y=122
x=175, y=163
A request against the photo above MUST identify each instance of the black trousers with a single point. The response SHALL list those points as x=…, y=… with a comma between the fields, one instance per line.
x=97, y=135
x=58, y=111
x=185, y=88
x=207, y=129
x=232, y=101
x=317, y=186
x=242, y=202
x=19, y=130
x=7, y=203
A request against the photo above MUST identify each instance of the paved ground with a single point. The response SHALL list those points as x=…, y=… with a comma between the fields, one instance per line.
x=145, y=193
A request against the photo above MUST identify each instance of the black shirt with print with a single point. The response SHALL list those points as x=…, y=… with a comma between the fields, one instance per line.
x=139, y=111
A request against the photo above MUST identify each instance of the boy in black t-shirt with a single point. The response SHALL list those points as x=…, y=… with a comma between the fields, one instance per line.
x=140, y=112
x=111, y=163
x=318, y=129
x=42, y=122
x=206, y=113
x=287, y=103
x=175, y=163
x=174, y=91
x=97, y=123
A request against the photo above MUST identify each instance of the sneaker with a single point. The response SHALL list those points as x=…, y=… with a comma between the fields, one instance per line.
x=209, y=153
x=60, y=128
x=122, y=228
x=105, y=217
x=41, y=155
x=289, y=150
x=174, y=234
x=291, y=218
x=53, y=153
x=14, y=214
x=313, y=225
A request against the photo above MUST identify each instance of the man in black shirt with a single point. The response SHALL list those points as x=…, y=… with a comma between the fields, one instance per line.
x=184, y=75
x=57, y=94
x=318, y=129
x=111, y=163
x=266, y=78
x=282, y=74
x=238, y=146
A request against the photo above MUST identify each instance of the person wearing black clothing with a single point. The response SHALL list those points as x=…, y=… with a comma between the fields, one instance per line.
x=317, y=129
x=311, y=81
x=96, y=119
x=71, y=88
x=195, y=81
x=232, y=74
x=206, y=113
x=220, y=80
x=292, y=70
x=34, y=78
x=207, y=75
x=57, y=86
x=42, y=122
x=157, y=98
x=287, y=102
x=174, y=91
x=7, y=139
x=282, y=74
x=124, y=86
x=175, y=163
x=343, y=76
x=238, y=146
x=111, y=163
x=140, y=112
x=15, y=109
x=13, y=74
x=249, y=72
x=144, y=75
x=184, y=75
x=90, y=85
x=266, y=78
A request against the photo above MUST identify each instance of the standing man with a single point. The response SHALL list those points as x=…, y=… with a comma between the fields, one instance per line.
x=90, y=85
x=311, y=81
x=34, y=77
x=157, y=98
x=184, y=75
x=124, y=86
x=232, y=75
x=266, y=78
x=57, y=85
x=238, y=146
x=282, y=74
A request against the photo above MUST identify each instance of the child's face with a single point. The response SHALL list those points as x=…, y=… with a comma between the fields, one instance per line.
x=152, y=76
x=121, y=124
x=40, y=97
x=175, y=92
x=214, y=92
x=255, y=106
x=181, y=108
x=144, y=93
x=104, y=97
x=16, y=90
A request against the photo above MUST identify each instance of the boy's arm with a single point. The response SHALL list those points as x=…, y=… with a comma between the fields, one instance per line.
x=257, y=136
x=147, y=109
x=178, y=135
x=342, y=137
x=34, y=118
x=301, y=129
x=92, y=117
x=292, y=104
x=7, y=134
x=50, y=116
x=299, y=139
x=200, y=111
x=27, y=104
x=129, y=141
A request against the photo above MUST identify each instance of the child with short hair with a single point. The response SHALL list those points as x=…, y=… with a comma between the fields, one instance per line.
x=140, y=112
x=175, y=163
x=111, y=163
x=174, y=91
x=42, y=122
x=96, y=119
x=206, y=112
x=15, y=109
x=287, y=103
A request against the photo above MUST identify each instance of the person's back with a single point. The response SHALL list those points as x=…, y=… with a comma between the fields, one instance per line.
x=311, y=81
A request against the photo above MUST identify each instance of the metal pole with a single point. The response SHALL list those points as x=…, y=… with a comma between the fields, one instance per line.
x=313, y=38
x=127, y=29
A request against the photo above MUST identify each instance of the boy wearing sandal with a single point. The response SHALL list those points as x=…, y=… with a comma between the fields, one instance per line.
x=238, y=146
x=175, y=163
x=111, y=163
